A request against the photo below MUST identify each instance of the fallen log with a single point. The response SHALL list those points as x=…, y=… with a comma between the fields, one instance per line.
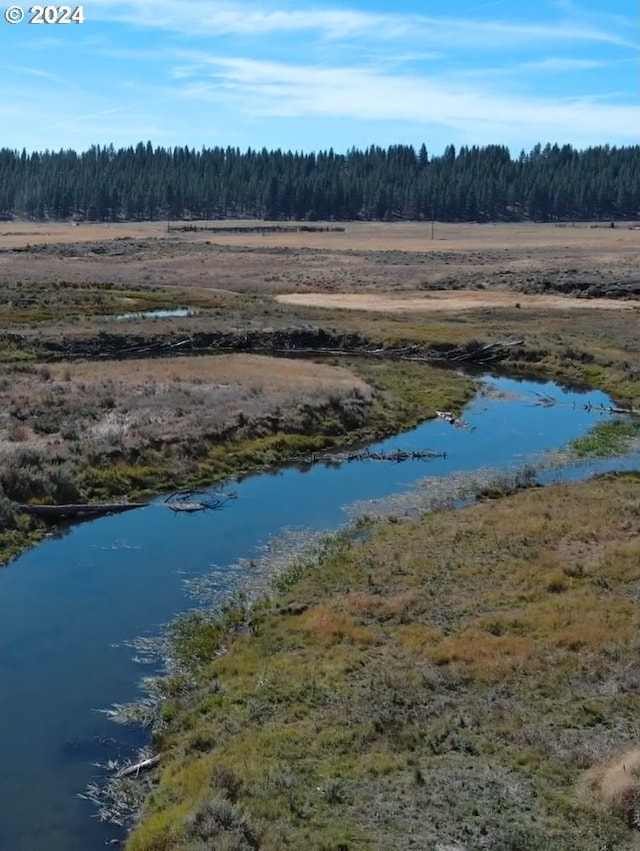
x=136, y=768
x=62, y=512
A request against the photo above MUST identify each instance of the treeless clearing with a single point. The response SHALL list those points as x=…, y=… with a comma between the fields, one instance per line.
x=448, y=301
x=437, y=683
x=357, y=236
x=366, y=257
x=274, y=374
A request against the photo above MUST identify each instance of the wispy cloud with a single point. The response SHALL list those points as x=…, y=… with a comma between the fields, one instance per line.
x=295, y=72
x=277, y=89
x=557, y=64
x=92, y=115
x=198, y=18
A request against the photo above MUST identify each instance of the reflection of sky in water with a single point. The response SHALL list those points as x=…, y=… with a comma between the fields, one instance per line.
x=68, y=604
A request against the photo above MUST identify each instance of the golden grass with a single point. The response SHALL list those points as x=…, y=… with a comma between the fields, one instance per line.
x=258, y=372
x=328, y=626
x=399, y=236
x=453, y=301
x=164, y=400
x=616, y=784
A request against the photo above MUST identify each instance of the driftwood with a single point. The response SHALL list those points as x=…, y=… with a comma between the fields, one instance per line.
x=62, y=512
x=450, y=418
x=395, y=455
x=136, y=768
x=183, y=500
x=263, y=229
x=546, y=401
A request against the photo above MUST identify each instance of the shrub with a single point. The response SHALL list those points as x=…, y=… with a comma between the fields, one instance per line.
x=216, y=816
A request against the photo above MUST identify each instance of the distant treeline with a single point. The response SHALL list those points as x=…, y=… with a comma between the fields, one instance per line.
x=472, y=184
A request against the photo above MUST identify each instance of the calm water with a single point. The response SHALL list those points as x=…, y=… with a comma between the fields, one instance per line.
x=66, y=606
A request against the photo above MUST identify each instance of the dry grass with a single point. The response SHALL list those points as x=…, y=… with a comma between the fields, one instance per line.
x=398, y=236
x=616, y=785
x=367, y=256
x=142, y=402
x=450, y=302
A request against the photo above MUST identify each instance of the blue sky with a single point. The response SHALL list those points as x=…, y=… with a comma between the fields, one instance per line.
x=308, y=75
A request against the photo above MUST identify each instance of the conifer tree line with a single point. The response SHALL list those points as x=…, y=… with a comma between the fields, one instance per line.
x=550, y=183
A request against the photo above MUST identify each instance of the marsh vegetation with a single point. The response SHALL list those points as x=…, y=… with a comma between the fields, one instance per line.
x=464, y=679
x=468, y=678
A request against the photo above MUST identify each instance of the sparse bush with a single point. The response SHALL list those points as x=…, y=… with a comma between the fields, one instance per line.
x=18, y=433
x=334, y=791
x=195, y=639
x=225, y=779
x=66, y=488
x=216, y=816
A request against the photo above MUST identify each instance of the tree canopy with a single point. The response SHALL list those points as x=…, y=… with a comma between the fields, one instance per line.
x=550, y=183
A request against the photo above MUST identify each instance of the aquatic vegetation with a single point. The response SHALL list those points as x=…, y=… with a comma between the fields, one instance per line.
x=612, y=437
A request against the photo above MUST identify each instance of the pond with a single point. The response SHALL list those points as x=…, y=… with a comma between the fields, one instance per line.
x=68, y=606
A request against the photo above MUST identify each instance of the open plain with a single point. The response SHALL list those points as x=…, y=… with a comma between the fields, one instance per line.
x=594, y=260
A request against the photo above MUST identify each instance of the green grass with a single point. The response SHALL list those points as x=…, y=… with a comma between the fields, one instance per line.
x=36, y=303
x=464, y=678
x=607, y=438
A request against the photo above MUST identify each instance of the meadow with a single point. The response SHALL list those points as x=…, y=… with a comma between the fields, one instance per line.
x=466, y=680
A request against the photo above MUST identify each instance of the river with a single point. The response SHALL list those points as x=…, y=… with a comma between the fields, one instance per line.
x=68, y=606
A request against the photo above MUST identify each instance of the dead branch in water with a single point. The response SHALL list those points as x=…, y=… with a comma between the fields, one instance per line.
x=395, y=455
x=183, y=500
x=453, y=420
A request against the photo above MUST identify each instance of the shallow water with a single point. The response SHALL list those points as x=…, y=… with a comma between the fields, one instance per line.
x=67, y=605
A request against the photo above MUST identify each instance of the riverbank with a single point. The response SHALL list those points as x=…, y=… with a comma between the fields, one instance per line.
x=465, y=678
x=72, y=435
x=97, y=431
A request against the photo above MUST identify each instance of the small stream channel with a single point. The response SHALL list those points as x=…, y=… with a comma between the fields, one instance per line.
x=68, y=605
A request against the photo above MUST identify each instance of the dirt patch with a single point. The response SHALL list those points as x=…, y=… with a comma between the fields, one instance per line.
x=616, y=784
x=448, y=301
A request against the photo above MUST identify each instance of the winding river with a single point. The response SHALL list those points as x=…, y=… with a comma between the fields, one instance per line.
x=68, y=606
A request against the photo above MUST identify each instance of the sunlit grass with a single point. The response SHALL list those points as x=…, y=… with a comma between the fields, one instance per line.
x=607, y=438
x=458, y=673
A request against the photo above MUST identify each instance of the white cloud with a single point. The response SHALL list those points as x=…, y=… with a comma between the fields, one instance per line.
x=275, y=89
x=198, y=18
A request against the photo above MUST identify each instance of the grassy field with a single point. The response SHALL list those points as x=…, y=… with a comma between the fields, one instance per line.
x=368, y=257
x=468, y=680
